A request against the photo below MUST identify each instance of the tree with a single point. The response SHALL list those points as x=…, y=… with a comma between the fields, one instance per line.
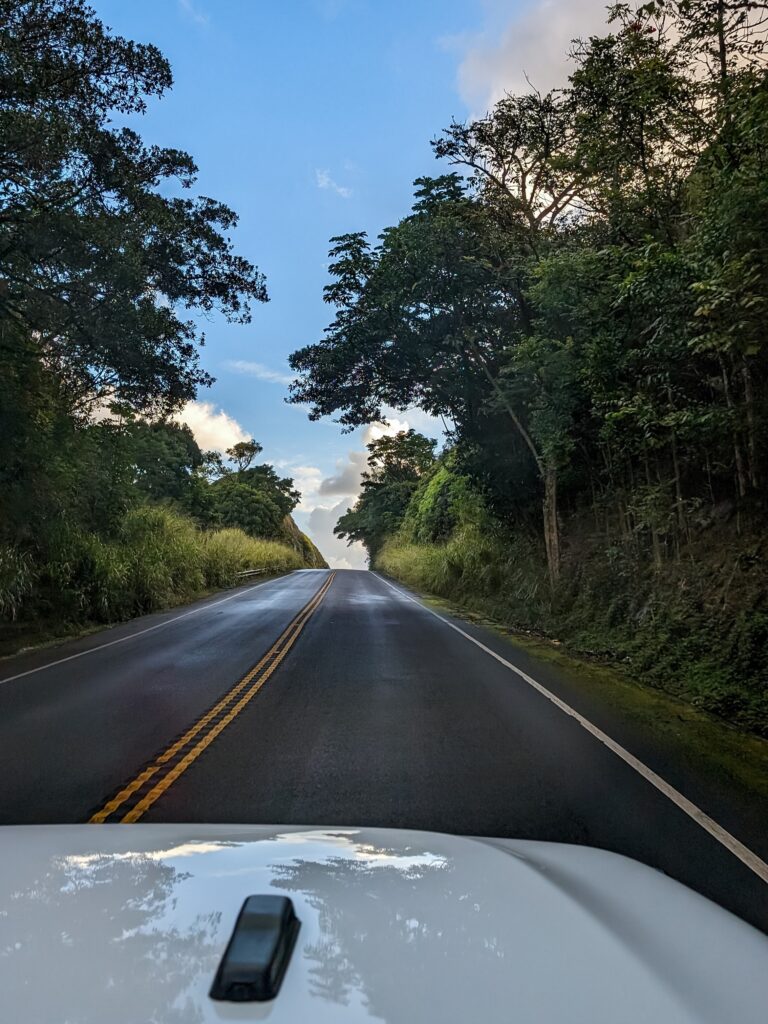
x=243, y=453
x=522, y=158
x=244, y=507
x=253, y=498
x=166, y=459
x=396, y=463
x=432, y=317
x=100, y=252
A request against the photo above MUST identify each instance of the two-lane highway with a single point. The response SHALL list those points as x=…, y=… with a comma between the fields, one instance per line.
x=337, y=699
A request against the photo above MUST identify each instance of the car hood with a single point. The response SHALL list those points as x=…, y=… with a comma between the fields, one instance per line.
x=127, y=924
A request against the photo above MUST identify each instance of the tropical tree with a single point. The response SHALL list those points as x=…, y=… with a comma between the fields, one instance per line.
x=396, y=463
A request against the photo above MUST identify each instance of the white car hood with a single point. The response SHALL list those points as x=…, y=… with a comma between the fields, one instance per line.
x=118, y=924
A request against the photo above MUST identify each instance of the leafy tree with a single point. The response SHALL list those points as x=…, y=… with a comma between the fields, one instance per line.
x=243, y=453
x=253, y=498
x=280, y=490
x=251, y=510
x=166, y=458
x=432, y=317
x=396, y=463
x=99, y=254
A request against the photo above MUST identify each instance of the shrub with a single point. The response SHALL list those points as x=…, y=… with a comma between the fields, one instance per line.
x=227, y=552
x=156, y=558
x=17, y=578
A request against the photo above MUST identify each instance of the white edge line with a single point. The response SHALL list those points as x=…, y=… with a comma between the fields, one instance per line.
x=132, y=636
x=730, y=842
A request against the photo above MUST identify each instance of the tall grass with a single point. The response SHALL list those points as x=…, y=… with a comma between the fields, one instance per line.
x=508, y=577
x=17, y=579
x=227, y=552
x=156, y=559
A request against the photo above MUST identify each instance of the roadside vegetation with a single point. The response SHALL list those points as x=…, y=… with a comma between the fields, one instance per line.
x=583, y=300
x=109, y=263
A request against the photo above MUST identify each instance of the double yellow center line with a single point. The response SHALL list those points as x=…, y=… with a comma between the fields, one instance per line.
x=135, y=799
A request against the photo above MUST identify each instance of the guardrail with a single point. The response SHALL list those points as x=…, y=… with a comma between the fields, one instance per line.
x=251, y=572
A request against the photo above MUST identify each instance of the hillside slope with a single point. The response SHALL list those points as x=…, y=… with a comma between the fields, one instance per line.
x=301, y=543
x=696, y=626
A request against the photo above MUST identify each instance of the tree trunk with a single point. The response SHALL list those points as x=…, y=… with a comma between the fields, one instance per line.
x=738, y=455
x=548, y=473
x=682, y=523
x=655, y=542
x=551, y=529
x=749, y=398
x=679, y=504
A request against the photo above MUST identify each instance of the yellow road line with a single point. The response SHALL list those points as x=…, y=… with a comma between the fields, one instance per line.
x=276, y=653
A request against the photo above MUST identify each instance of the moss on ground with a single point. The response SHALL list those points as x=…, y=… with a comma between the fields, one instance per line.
x=700, y=737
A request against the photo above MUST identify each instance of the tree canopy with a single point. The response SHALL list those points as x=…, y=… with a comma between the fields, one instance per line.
x=584, y=296
x=396, y=463
x=102, y=254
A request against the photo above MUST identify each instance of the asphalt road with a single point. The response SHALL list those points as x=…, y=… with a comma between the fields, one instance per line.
x=336, y=699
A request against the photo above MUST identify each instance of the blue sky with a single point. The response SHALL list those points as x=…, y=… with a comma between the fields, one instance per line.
x=312, y=118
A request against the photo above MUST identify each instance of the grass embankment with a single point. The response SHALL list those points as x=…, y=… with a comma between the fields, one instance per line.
x=157, y=559
x=697, y=628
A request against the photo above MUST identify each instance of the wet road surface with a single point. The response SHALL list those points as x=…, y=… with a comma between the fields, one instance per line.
x=327, y=698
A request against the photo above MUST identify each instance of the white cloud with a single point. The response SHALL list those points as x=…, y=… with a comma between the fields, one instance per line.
x=534, y=45
x=308, y=480
x=336, y=551
x=347, y=478
x=213, y=429
x=324, y=180
x=193, y=12
x=259, y=371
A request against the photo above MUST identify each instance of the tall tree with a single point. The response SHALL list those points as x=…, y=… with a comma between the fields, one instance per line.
x=101, y=253
x=396, y=463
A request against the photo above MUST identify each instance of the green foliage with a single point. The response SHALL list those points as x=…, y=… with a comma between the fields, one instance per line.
x=395, y=465
x=106, y=253
x=102, y=254
x=17, y=578
x=244, y=507
x=165, y=460
x=442, y=500
x=156, y=558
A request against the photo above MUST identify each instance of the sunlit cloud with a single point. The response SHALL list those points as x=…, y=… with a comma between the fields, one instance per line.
x=530, y=48
x=213, y=428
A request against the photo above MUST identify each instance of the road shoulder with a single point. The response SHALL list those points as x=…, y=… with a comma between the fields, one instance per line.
x=717, y=765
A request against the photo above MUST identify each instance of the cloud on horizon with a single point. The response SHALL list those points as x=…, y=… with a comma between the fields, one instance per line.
x=336, y=551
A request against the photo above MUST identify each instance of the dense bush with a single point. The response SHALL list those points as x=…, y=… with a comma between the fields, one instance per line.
x=157, y=558
x=697, y=628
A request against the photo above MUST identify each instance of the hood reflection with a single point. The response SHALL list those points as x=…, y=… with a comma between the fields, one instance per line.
x=69, y=915
x=126, y=925
x=401, y=911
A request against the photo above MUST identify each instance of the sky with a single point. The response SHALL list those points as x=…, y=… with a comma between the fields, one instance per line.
x=312, y=118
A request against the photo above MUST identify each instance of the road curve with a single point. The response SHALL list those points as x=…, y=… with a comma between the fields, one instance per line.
x=336, y=699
